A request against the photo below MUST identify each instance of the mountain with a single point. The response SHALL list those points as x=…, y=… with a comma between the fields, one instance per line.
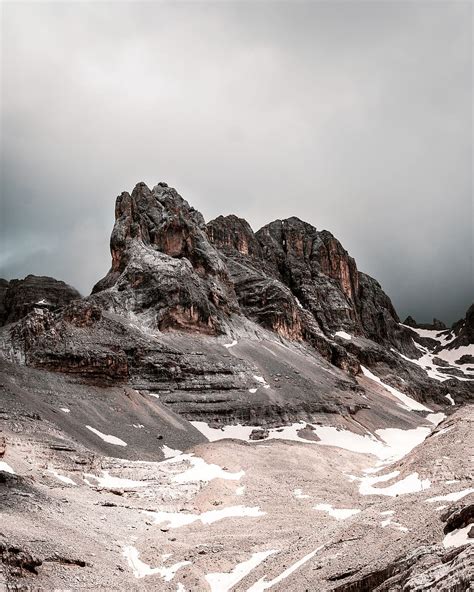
x=209, y=352
x=20, y=297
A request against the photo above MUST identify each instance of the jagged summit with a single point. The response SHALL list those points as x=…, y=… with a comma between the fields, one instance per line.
x=464, y=331
x=435, y=325
x=172, y=272
x=288, y=276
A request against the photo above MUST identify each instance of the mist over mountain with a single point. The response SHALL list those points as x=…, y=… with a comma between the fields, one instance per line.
x=354, y=117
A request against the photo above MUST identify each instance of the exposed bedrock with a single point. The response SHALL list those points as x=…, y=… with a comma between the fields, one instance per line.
x=463, y=330
x=178, y=289
x=288, y=277
x=19, y=297
x=426, y=569
x=192, y=373
x=163, y=265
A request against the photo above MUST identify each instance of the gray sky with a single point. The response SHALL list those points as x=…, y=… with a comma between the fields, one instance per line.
x=354, y=116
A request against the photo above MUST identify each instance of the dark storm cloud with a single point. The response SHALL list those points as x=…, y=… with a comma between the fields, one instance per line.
x=353, y=116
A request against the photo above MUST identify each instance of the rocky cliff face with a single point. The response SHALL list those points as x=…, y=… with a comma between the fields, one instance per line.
x=298, y=268
x=163, y=266
x=288, y=277
x=173, y=276
x=464, y=331
x=302, y=283
x=19, y=297
x=3, y=291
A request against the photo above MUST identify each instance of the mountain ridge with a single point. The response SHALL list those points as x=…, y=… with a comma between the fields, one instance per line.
x=210, y=355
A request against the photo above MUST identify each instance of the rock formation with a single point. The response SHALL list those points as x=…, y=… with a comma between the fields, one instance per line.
x=436, y=325
x=272, y=375
x=464, y=330
x=172, y=272
x=289, y=269
x=171, y=267
x=20, y=297
x=163, y=266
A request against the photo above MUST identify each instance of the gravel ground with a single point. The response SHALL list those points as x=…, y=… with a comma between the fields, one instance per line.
x=81, y=531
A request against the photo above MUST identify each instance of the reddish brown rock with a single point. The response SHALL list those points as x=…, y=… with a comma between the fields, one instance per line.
x=163, y=265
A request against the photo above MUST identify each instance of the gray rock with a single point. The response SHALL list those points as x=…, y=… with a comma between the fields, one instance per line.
x=19, y=297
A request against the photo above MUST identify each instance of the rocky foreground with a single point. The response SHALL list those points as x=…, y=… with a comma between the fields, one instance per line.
x=230, y=411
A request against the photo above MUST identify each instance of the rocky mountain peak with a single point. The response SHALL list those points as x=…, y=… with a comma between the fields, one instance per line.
x=435, y=325
x=231, y=234
x=464, y=331
x=295, y=246
x=163, y=264
x=18, y=297
x=288, y=276
x=162, y=219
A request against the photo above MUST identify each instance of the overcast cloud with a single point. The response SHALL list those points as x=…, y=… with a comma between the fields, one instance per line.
x=354, y=116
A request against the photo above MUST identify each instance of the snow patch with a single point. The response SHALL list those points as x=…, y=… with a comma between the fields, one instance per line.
x=401, y=442
x=458, y=537
x=178, y=519
x=395, y=443
x=450, y=399
x=435, y=418
x=238, y=432
x=426, y=361
x=451, y=355
x=451, y=497
x=107, y=437
x=391, y=444
x=141, y=569
x=61, y=477
x=410, y=484
x=228, y=345
x=262, y=584
x=65, y=410
x=407, y=401
x=337, y=513
x=224, y=582
x=262, y=381
x=201, y=470
x=343, y=334
x=6, y=468
x=442, y=336
x=170, y=452
x=107, y=481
